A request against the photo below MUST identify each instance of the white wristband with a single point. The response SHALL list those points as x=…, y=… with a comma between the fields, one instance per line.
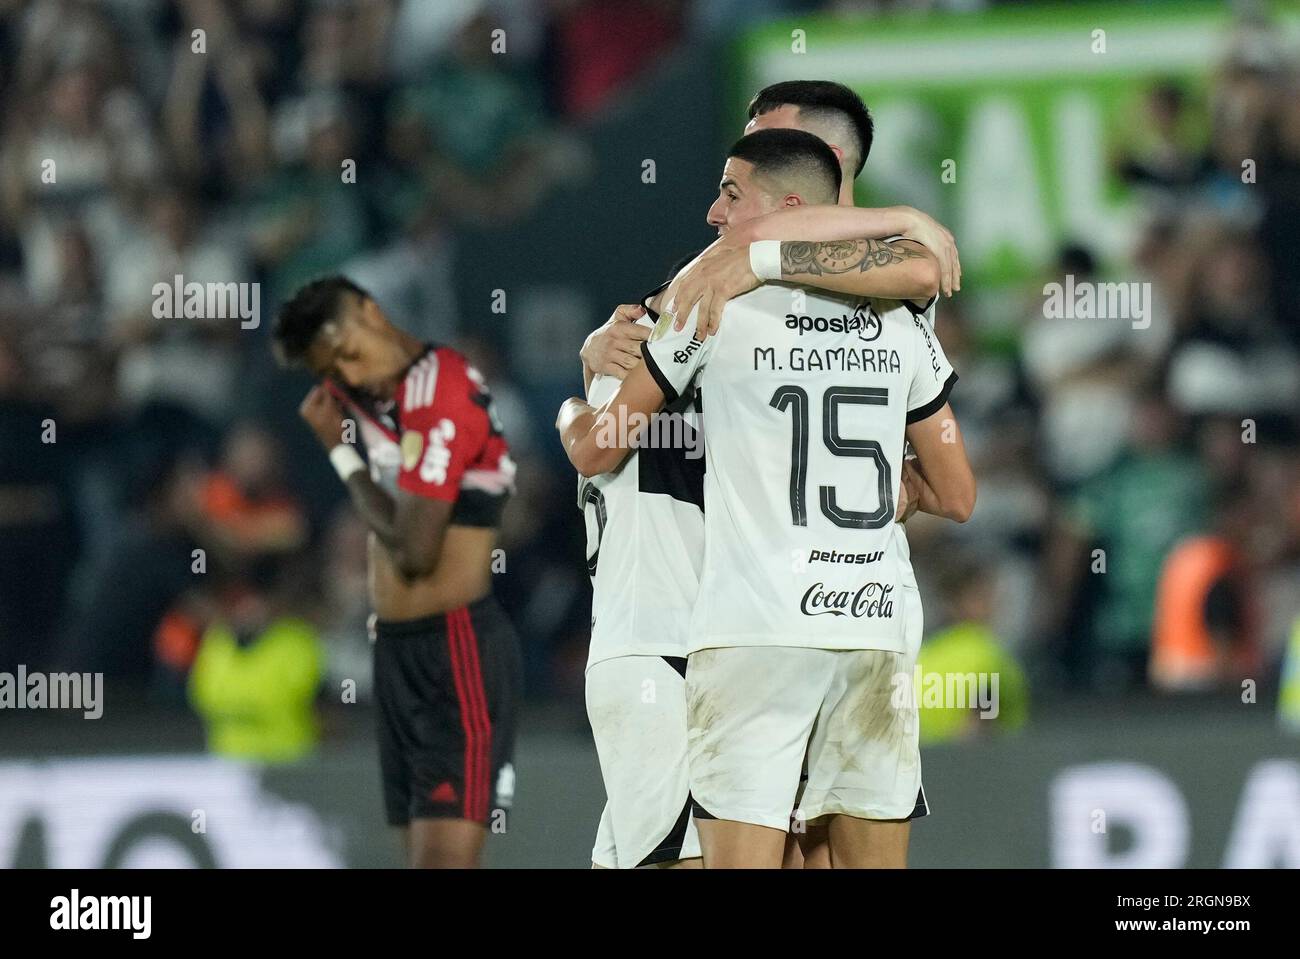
x=765, y=259
x=346, y=461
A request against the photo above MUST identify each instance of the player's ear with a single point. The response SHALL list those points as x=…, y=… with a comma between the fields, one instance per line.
x=371, y=318
x=319, y=355
x=792, y=199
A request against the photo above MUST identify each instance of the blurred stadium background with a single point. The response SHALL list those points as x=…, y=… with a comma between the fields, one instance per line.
x=502, y=201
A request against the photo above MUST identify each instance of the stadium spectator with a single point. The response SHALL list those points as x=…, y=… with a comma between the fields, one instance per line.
x=1167, y=155
x=603, y=45
x=1205, y=631
x=1119, y=527
x=248, y=509
x=492, y=153
x=1082, y=371
x=147, y=568
x=183, y=361
x=255, y=681
x=1288, y=707
x=305, y=220
x=966, y=655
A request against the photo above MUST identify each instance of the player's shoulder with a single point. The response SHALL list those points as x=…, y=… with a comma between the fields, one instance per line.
x=904, y=309
x=785, y=299
x=904, y=316
x=438, y=363
x=764, y=302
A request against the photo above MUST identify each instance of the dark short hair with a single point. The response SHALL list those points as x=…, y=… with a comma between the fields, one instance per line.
x=778, y=153
x=827, y=98
x=301, y=319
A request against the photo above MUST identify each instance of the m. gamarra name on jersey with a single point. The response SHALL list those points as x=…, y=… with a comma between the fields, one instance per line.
x=839, y=359
x=836, y=359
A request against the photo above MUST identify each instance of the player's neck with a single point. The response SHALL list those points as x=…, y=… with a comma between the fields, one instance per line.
x=411, y=348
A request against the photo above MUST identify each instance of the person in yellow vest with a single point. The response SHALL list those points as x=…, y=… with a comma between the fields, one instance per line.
x=964, y=657
x=1204, y=631
x=255, y=686
x=1288, y=702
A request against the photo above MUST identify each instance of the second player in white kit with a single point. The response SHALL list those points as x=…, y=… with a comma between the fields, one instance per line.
x=645, y=544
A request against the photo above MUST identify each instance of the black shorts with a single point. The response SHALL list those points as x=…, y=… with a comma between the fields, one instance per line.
x=448, y=688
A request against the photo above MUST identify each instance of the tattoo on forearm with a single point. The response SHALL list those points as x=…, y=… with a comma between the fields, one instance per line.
x=841, y=256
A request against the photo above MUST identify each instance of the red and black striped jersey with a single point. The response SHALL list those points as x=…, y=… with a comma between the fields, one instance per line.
x=440, y=437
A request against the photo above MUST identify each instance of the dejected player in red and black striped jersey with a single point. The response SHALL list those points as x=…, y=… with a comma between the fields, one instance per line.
x=435, y=479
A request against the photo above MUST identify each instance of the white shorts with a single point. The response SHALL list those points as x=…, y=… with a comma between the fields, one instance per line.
x=637, y=709
x=915, y=630
x=759, y=715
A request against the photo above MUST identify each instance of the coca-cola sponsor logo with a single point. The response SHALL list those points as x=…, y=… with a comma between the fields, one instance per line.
x=870, y=601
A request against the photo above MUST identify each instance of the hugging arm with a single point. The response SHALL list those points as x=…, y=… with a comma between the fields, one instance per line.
x=598, y=440
x=941, y=480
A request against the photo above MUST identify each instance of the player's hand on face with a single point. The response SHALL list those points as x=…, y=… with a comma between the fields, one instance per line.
x=936, y=238
x=324, y=415
x=614, y=348
x=720, y=273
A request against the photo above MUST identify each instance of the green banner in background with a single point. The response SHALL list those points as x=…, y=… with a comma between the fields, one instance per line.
x=1006, y=125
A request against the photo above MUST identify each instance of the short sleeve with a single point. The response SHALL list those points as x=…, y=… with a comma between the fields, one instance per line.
x=443, y=429
x=932, y=376
x=674, y=357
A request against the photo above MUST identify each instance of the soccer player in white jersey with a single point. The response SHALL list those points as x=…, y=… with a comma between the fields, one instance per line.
x=800, y=628
x=645, y=545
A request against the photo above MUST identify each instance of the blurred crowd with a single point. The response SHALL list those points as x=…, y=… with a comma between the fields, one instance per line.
x=1140, y=475
x=157, y=495
x=154, y=484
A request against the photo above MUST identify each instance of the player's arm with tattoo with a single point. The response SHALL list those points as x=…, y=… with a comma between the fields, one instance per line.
x=895, y=269
x=889, y=269
x=724, y=270
x=823, y=222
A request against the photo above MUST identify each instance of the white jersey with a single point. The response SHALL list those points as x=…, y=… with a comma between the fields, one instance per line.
x=900, y=544
x=804, y=399
x=645, y=537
